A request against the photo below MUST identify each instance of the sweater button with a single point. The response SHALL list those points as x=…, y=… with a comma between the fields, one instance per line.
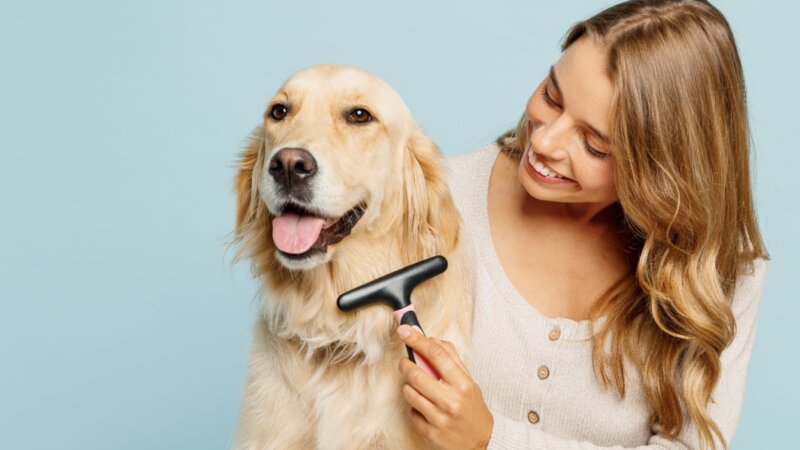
x=555, y=333
x=543, y=372
x=533, y=417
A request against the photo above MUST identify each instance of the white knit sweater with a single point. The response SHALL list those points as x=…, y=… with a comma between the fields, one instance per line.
x=536, y=373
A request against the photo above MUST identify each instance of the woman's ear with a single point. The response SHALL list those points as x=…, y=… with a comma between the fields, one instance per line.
x=432, y=221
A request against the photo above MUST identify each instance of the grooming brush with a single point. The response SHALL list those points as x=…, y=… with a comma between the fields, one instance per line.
x=394, y=290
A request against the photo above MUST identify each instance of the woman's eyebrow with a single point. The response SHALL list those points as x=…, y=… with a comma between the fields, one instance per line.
x=602, y=136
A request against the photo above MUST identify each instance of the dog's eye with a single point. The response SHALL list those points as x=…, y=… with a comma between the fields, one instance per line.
x=359, y=115
x=278, y=111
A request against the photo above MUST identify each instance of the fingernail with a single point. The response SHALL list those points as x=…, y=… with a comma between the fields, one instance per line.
x=404, y=330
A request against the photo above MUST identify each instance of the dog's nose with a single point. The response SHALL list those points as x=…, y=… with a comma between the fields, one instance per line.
x=292, y=166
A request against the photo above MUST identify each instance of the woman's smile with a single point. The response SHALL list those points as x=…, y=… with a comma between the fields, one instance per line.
x=540, y=171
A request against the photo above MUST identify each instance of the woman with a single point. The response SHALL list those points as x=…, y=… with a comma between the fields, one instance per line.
x=619, y=264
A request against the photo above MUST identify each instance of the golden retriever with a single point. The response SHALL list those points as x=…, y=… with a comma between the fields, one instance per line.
x=337, y=187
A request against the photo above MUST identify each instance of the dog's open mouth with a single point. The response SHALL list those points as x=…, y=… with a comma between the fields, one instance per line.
x=298, y=232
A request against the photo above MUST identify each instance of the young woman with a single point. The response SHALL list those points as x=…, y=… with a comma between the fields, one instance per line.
x=619, y=265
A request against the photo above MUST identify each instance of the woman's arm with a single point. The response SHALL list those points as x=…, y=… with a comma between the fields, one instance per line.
x=451, y=413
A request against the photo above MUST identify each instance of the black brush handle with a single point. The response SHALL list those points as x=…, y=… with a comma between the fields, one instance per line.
x=395, y=288
x=410, y=318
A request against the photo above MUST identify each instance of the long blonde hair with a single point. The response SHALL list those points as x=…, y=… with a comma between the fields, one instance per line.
x=680, y=138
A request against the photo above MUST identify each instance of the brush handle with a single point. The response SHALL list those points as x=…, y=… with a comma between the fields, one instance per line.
x=408, y=316
x=393, y=289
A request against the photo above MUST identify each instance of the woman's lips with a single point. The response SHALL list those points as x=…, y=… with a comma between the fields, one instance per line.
x=543, y=178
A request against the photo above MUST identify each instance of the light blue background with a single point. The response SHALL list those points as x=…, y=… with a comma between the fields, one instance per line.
x=123, y=325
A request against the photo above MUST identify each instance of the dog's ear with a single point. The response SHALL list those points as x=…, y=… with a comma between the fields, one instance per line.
x=248, y=207
x=432, y=220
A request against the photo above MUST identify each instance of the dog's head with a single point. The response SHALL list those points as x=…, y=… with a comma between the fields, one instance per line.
x=338, y=154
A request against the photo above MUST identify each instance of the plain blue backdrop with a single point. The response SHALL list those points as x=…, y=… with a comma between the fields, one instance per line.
x=123, y=324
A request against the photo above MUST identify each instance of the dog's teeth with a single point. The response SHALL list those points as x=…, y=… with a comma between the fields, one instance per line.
x=329, y=223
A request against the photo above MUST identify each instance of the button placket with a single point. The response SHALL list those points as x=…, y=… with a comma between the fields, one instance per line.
x=543, y=372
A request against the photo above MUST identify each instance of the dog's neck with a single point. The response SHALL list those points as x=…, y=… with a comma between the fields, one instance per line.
x=302, y=305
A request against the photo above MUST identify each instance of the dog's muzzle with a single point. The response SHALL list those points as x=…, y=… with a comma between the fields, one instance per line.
x=292, y=169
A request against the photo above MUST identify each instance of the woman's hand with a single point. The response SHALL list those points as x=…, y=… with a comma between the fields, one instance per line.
x=450, y=413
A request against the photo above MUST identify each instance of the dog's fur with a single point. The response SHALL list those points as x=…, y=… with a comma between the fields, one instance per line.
x=318, y=377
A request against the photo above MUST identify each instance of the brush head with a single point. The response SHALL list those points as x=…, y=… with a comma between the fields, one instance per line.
x=393, y=289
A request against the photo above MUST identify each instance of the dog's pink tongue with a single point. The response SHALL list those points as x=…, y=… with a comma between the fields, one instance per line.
x=294, y=234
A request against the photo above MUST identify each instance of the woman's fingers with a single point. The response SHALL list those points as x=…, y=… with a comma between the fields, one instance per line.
x=435, y=353
x=451, y=349
x=418, y=401
x=450, y=412
x=422, y=425
x=433, y=390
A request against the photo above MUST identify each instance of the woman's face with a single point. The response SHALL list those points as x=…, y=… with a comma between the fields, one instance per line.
x=568, y=115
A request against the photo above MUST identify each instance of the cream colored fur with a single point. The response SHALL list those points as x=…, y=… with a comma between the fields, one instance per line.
x=319, y=378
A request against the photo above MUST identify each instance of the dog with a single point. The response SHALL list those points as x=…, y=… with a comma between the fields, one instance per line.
x=336, y=187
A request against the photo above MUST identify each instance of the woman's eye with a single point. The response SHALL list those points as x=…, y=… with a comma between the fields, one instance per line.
x=593, y=151
x=548, y=99
x=278, y=111
x=359, y=115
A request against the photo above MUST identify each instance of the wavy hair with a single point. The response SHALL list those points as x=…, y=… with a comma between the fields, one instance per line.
x=681, y=141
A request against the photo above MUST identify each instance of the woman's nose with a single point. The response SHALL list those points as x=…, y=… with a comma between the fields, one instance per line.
x=552, y=139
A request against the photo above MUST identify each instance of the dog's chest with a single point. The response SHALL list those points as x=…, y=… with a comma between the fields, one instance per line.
x=359, y=407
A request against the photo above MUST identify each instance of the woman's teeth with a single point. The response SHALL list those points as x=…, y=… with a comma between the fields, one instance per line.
x=539, y=167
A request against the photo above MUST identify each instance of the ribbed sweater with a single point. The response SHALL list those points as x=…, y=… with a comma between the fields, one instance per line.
x=535, y=372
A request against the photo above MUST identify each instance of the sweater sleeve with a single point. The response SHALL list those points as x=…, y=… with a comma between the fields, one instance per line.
x=726, y=399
